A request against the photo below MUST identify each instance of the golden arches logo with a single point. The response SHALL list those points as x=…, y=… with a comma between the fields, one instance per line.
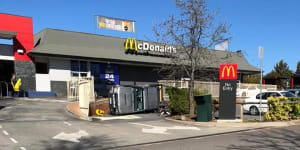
x=228, y=71
x=132, y=44
x=99, y=112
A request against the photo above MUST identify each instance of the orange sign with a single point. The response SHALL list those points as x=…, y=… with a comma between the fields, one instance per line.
x=228, y=71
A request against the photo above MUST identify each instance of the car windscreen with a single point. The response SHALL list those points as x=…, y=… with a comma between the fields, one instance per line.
x=287, y=94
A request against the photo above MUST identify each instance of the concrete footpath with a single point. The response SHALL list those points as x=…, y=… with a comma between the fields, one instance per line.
x=238, y=124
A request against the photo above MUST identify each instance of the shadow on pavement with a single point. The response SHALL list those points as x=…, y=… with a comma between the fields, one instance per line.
x=91, y=143
x=277, y=139
x=1, y=107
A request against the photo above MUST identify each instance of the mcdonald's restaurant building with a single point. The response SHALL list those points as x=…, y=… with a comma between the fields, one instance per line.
x=54, y=56
x=59, y=55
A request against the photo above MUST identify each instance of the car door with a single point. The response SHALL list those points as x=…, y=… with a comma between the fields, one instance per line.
x=264, y=99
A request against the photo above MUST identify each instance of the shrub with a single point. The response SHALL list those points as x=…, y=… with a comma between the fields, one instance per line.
x=294, y=98
x=282, y=108
x=178, y=100
x=179, y=103
x=296, y=111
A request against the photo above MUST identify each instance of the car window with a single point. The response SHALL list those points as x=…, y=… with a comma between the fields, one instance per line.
x=258, y=96
x=296, y=93
x=287, y=94
x=273, y=94
x=264, y=95
x=293, y=92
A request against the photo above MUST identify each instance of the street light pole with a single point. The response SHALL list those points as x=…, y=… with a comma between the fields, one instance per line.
x=260, y=54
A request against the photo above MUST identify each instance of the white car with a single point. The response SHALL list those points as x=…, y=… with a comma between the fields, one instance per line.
x=254, y=109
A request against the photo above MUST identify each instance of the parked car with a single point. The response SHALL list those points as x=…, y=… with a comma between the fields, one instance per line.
x=253, y=108
x=294, y=91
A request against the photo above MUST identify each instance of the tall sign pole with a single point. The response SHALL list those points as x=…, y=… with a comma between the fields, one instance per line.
x=260, y=55
x=227, y=97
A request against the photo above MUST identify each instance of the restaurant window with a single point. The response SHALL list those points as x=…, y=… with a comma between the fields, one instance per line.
x=41, y=68
x=79, y=68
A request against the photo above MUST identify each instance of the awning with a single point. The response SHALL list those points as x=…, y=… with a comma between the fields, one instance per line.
x=7, y=34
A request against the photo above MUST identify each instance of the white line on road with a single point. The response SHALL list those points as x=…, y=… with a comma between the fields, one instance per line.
x=23, y=148
x=67, y=123
x=71, y=137
x=163, y=130
x=14, y=140
x=0, y=126
x=5, y=132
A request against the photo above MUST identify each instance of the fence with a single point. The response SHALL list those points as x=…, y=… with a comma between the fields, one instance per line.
x=243, y=89
x=73, y=87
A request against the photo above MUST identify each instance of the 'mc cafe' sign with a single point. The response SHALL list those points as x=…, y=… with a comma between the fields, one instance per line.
x=227, y=94
x=132, y=46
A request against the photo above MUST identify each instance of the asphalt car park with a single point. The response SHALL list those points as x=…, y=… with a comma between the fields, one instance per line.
x=45, y=124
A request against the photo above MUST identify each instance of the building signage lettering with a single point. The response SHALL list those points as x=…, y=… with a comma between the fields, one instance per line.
x=110, y=77
x=132, y=45
x=227, y=87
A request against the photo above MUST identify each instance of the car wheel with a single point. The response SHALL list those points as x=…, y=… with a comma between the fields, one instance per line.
x=253, y=110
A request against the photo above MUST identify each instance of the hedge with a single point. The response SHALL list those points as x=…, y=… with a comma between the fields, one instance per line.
x=282, y=108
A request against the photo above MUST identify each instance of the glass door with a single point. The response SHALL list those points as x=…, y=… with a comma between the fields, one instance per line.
x=138, y=99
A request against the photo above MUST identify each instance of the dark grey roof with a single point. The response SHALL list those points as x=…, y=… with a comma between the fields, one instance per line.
x=7, y=34
x=77, y=44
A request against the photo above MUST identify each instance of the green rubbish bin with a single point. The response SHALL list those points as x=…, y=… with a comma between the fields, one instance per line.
x=204, y=112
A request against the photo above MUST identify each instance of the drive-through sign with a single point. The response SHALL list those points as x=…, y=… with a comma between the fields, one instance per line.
x=227, y=97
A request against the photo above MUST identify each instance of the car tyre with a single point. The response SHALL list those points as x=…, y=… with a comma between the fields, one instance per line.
x=253, y=110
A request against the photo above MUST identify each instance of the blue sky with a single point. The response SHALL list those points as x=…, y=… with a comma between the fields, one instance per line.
x=269, y=23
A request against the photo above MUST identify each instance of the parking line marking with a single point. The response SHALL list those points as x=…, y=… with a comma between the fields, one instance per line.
x=14, y=140
x=23, y=148
x=5, y=132
x=67, y=123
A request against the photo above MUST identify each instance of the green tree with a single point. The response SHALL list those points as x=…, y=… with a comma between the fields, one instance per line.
x=298, y=68
x=194, y=31
x=281, y=70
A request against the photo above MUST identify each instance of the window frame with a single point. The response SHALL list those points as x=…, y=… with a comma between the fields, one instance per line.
x=80, y=74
